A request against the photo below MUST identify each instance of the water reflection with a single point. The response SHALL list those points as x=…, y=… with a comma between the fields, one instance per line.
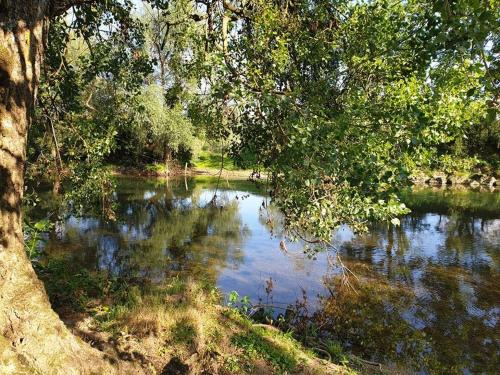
x=427, y=295
x=159, y=232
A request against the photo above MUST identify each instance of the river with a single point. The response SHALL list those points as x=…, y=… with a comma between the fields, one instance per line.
x=425, y=295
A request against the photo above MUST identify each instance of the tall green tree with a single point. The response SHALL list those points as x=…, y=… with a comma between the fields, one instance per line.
x=336, y=99
x=33, y=339
x=166, y=129
x=87, y=82
x=339, y=100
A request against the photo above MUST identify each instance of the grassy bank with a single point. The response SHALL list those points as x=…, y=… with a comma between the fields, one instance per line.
x=206, y=163
x=207, y=160
x=180, y=326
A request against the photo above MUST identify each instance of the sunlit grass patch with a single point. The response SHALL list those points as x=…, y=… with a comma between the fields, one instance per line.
x=256, y=343
x=180, y=320
x=213, y=160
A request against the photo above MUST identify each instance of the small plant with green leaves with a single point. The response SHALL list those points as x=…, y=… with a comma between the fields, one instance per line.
x=33, y=236
x=243, y=304
x=335, y=350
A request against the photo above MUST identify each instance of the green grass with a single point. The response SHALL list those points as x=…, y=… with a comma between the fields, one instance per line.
x=257, y=343
x=212, y=160
x=175, y=319
x=155, y=168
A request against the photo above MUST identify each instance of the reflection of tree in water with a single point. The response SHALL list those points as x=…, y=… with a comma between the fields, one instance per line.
x=370, y=321
x=429, y=302
x=162, y=231
x=461, y=325
x=387, y=322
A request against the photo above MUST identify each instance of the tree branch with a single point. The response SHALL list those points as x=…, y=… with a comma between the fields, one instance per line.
x=233, y=8
x=58, y=7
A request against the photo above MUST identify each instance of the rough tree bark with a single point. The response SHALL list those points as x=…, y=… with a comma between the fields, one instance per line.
x=32, y=337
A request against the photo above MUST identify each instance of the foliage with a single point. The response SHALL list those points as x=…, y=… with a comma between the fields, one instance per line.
x=175, y=38
x=241, y=304
x=336, y=99
x=449, y=164
x=93, y=66
x=166, y=129
x=338, y=102
x=33, y=235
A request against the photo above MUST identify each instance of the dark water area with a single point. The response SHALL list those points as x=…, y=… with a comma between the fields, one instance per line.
x=426, y=294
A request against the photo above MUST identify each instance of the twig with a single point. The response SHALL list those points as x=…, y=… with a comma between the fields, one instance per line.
x=324, y=352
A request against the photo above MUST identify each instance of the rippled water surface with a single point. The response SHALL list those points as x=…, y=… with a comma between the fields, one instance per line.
x=427, y=293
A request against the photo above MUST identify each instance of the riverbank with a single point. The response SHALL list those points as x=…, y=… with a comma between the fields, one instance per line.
x=458, y=171
x=440, y=178
x=472, y=179
x=181, y=326
x=206, y=163
x=175, y=170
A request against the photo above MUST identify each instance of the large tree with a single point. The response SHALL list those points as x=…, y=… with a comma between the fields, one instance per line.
x=339, y=100
x=32, y=337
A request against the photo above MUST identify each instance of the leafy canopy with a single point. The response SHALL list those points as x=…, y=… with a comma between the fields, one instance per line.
x=339, y=101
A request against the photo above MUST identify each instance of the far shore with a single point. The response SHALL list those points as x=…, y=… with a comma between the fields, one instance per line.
x=118, y=170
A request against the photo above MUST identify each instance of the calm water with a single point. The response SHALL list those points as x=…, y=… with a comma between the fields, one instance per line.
x=427, y=294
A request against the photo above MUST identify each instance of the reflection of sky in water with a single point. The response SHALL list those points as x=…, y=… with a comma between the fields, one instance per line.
x=107, y=249
x=263, y=258
x=427, y=242
x=148, y=194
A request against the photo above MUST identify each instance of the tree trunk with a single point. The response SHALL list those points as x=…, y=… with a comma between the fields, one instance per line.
x=167, y=156
x=32, y=337
x=56, y=154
